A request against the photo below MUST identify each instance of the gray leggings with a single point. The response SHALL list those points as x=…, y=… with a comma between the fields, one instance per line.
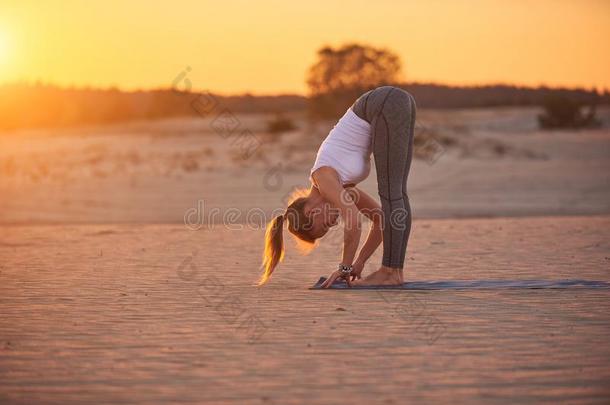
x=391, y=113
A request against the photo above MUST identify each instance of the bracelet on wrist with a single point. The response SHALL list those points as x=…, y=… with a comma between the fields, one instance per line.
x=345, y=269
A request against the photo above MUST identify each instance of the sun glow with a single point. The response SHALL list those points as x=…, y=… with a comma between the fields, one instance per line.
x=4, y=48
x=234, y=46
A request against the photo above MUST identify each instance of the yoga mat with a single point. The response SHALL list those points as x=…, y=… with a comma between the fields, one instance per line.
x=475, y=285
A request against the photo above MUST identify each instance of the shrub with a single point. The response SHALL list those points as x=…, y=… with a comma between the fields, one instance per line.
x=564, y=112
x=280, y=124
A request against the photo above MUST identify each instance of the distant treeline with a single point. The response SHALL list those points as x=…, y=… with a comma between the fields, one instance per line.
x=438, y=96
x=39, y=106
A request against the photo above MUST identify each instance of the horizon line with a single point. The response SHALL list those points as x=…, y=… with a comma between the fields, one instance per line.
x=24, y=82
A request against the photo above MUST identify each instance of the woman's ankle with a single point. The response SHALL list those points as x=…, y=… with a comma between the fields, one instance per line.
x=391, y=269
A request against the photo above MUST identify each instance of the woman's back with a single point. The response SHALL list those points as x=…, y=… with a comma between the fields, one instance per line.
x=347, y=149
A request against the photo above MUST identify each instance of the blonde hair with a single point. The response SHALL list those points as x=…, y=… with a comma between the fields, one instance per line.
x=298, y=225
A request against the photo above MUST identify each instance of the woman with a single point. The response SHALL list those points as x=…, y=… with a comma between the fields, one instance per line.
x=381, y=121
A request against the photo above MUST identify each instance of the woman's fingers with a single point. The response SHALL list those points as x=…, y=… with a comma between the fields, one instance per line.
x=329, y=281
x=348, y=281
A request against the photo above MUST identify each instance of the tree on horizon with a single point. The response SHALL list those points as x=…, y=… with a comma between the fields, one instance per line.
x=341, y=74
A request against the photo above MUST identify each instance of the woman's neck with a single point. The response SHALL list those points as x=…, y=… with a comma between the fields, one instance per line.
x=314, y=198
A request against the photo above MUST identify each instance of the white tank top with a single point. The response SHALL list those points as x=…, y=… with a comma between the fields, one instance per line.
x=347, y=149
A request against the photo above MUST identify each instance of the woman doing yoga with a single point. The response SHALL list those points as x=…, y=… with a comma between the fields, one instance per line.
x=381, y=122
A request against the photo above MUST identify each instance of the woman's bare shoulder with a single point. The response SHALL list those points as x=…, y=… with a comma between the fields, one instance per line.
x=328, y=182
x=326, y=175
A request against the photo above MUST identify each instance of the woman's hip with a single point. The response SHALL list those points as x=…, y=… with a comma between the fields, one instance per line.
x=389, y=100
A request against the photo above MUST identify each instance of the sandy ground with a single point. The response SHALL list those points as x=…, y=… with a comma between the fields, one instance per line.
x=498, y=164
x=107, y=296
x=159, y=313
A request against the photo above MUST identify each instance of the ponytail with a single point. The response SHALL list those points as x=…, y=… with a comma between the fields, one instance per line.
x=274, y=247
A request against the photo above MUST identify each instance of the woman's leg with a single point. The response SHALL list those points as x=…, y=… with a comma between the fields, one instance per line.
x=391, y=112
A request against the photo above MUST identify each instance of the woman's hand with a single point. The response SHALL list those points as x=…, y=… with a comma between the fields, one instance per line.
x=357, y=270
x=336, y=275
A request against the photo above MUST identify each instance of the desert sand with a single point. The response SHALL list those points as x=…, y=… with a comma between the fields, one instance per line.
x=107, y=296
x=496, y=164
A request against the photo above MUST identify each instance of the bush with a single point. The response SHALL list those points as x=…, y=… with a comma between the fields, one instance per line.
x=564, y=112
x=280, y=124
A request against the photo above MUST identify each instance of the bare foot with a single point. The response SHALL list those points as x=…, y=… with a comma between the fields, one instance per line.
x=383, y=276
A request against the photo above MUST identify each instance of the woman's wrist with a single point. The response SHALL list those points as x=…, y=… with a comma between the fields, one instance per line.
x=345, y=268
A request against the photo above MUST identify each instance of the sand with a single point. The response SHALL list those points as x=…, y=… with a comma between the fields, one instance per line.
x=155, y=172
x=107, y=296
x=126, y=313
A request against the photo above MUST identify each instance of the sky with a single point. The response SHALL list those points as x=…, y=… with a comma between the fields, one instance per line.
x=266, y=47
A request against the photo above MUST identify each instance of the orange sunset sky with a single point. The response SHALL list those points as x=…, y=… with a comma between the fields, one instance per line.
x=266, y=47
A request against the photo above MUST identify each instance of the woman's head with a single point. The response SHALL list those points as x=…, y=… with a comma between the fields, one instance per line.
x=308, y=219
x=321, y=216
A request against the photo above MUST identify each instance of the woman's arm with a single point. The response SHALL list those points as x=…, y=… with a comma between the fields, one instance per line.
x=331, y=189
x=372, y=210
